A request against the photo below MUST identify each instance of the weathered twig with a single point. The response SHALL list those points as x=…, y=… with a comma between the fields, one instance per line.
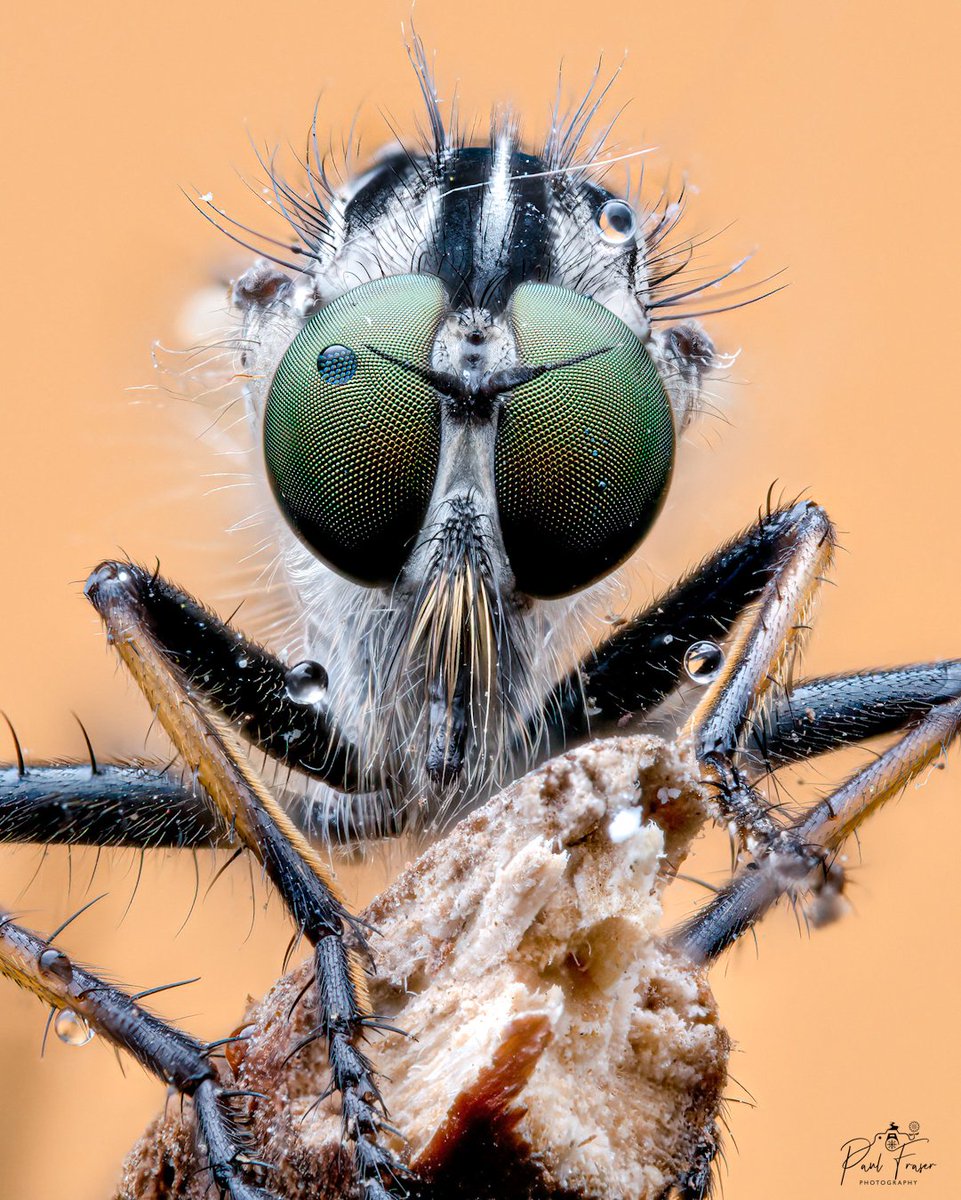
x=553, y=1045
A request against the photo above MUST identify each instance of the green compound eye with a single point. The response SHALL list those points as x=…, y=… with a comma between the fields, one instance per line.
x=584, y=453
x=351, y=440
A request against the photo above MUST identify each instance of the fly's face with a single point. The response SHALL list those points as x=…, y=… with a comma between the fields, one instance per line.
x=468, y=419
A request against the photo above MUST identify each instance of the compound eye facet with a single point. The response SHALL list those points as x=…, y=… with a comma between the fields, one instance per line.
x=351, y=439
x=584, y=452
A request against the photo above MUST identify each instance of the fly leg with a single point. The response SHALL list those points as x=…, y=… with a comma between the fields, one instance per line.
x=105, y=805
x=757, y=665
x=242, y=682
x=803, y=858
x=147, y=807
x=819, y=715
x=176, y=1058
x=756, y=589
x=923, y=701
x=212, y=751
x=281, y=711
x=642, y=662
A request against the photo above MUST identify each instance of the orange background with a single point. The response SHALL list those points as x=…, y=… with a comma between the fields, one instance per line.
x=826, y=132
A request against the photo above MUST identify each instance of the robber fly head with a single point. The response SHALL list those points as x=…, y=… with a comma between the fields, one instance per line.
x=471, y=416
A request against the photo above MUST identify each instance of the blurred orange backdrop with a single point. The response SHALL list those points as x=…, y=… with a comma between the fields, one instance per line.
x=828, y=132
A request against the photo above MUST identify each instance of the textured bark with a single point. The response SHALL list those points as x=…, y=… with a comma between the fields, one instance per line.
x=558, y=1046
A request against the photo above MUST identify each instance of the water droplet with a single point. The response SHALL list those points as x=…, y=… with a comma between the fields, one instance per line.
x=616, y=222
x=703, y=661
x=243, y=662
x=337, y=364
x=71, y=1028
x=54, y=962
x=306, y=682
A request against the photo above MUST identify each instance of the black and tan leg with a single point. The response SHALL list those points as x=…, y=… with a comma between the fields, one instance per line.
x=751, y=721
x=758, y=663
x=213, y=753
x=244, y=683
x=176, y=1058
x=820, y=715
x=757, y=589
x=921, y=701
x=145, y=806
x=642, y=661
x=804, y=858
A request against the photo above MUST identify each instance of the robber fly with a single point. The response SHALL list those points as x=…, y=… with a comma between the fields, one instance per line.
x=468, y=376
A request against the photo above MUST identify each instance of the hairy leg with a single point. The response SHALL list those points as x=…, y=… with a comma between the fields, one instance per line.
x=757, y=588
x=803, y=856
x=211, y=750
x=244, y=683
x=148, y=808
x=820, y=715
x=174, y=1057
x=642, y=662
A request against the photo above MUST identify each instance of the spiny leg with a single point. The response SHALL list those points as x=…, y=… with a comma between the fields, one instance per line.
x=71, y=804
x=146, y=808
x=282, y=712
x=820, y=715
x=802, y=859
x=211, y=749
x=642, y=662
x=176, y=1058
x=246, y=684
x=761, y=583
x=758, y=659
x=766, y=635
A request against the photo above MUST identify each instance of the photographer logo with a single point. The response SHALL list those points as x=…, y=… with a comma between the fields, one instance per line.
x=892, y=1157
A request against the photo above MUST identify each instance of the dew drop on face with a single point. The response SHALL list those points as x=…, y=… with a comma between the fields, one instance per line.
x=616, y=222
x=703, y=661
